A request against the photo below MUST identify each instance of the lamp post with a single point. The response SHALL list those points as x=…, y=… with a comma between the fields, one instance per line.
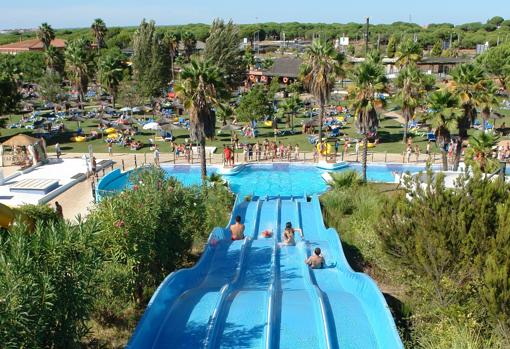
x=366, y=36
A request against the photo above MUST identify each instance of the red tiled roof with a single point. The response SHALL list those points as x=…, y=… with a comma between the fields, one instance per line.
x=30, y=45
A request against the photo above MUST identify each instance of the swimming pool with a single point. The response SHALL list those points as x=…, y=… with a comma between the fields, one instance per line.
x=274, y=179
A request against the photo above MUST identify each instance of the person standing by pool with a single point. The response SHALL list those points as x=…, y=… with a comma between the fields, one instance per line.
x=289, y=232
x=156, y=156
x=316, y=261
x=110, y=149
x=296, y=151
x=237, y=229
x=257, y=151
x=58, y=151
x=227, y=154
x=417, y=152
x=409, y=151
x=59, y=210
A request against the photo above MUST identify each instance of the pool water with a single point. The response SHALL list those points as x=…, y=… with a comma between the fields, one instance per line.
x=186, y=174
x=281, y=179
x=278, y=179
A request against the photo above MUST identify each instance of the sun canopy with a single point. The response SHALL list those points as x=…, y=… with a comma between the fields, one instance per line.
x=20, y=140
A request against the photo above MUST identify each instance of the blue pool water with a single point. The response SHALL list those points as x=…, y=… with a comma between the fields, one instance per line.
x=272, y=179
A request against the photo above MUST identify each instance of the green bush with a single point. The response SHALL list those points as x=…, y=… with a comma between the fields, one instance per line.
x=148, y=231
x=47, y=285
x=39, y=213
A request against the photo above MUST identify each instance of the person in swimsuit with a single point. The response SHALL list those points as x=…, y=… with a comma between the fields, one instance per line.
x=316, y=261
x=288, y=234
x=237, y=229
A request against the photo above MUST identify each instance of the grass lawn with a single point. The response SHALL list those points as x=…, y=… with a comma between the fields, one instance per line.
x=390, y=133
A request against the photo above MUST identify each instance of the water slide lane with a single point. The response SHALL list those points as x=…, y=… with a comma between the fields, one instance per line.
x=186, y=323
x=243, y=322
x=352, y=326
x=300, y=324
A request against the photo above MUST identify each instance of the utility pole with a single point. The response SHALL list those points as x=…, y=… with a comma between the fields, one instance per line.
x=366, y=36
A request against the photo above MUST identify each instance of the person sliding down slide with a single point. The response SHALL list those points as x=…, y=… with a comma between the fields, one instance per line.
x=288, y=234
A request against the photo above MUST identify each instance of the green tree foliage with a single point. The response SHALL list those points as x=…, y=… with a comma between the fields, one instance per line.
x=189, y=42
x=496, y=61
x=9, y=96
x=412, y=86
x=50, y=87
x=391, y=48
x=368, y=82
x=79, y=65
x=255, y=104
x=47, y=285
x=54, y=60
x=172, y=44
x=496, y=20
x=222, y=47
x=479, y=153
x=457, y=240
x=151, y=60
x=99, y=30
x=111, y=72
x=322, y=66
x=437, y=49
x=25, y=66
x=46, y=34
x=444, y=114
x=200, y=89
x=408, y=52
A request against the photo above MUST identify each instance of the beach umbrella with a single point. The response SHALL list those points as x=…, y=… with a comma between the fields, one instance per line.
x=151, y=126
x=76, y=118
x=230, y=127
x=136, y=110
x=121, y=127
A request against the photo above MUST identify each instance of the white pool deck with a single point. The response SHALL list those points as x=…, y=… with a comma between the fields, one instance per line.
x=68, y=172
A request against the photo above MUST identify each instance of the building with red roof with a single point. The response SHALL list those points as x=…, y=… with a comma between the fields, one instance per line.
x=30, y=45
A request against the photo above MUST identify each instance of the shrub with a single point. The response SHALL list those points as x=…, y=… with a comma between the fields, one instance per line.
x=47, y=285
x=39, y=213
x=345, y=179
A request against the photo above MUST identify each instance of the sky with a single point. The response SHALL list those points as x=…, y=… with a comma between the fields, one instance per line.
x=80, y=13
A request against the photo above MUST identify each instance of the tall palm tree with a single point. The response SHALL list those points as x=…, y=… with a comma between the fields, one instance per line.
x=290, y=106
x=172, y=43
x=110, y=74
x=79, y=64
x=322, y=66
x=408, y=52
x=189, y=42
x=46, y=34
x=412, y=86
x=54, y=59
x=368, y=82
x=480, y=151
x=486, y=100
x=99, y=30
x=467, y=82
x=225, y=111
x=444, y=114
x=199, y=88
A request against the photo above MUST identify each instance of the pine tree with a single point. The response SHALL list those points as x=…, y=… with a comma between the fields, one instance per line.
x=437, y=49
x=391, y=49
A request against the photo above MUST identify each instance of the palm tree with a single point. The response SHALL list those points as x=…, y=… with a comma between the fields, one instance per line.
x=486, y=100
x=46, y=34
x=481, y=145
x=189, y=42
x=322, y=65
x=368, y=82
x=98, y=31
x=172, y=43
x=467, y=82
x=412, y=86
x=110, y=74
x=200, y=88
x=290, y=107
x=408, y=52
x=54, y=59
x=79, y=64
x=444, y=114
x=225, y=111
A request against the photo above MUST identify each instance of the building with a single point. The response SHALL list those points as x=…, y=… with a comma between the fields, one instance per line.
x=29, y=45
x=285, y=69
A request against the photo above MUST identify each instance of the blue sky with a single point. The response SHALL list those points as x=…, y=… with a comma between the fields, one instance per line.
x=79, y=13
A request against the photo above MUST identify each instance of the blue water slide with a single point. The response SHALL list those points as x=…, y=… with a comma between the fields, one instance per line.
x=257, y=293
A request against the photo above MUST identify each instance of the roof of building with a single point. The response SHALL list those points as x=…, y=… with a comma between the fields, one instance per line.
x=31, y=45
x=445, y=60
x=284, y=67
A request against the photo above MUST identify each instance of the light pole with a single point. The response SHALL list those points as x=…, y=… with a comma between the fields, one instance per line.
x=366, y=36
